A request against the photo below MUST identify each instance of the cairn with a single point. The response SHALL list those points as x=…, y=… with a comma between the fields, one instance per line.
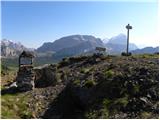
x=25, y=77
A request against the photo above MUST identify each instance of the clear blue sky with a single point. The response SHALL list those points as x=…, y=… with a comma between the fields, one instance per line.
x=33, y=23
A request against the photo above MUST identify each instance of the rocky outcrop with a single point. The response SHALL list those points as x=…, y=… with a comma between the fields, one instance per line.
x=46, y=76
x=108, y=87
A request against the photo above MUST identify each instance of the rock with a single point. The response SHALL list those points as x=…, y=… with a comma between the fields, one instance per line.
x=143, y=99
x=25, y=78
x=46, y=76
x=14, y=84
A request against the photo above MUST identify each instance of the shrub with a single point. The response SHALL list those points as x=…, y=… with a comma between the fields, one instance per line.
x=90, y=83
x=122, y=101
x=97, y=114
x=145, y=115
x=109, y=74
x=106, y=103
x=64, y=62
x=125, y=54
x=156, y=53
x=85, y=70
x=77, y=82
x=58, y=77
x=91, y=114
x=136, y=88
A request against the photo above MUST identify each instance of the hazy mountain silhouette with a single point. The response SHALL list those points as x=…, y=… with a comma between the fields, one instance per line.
x=146, y=50
x=117, y=44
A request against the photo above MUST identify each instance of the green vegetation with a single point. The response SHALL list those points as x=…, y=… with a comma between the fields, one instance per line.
x=106, y=103
x=109, y=73
x=146, y=56
x=91, y=114
x=85, y=70
x=15, y=106
x=77, y=82
x=44, y=60
x=122, y=102
x=136, y=88
x=13, y=62
x=90, y=83
x=10, y=62
x=58, y=77
x=103, y=112
x=8, y=74
x=146, y=115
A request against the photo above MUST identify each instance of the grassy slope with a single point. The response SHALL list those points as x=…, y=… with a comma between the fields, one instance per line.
x=15, y=106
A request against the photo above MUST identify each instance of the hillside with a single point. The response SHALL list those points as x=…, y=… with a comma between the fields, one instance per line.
x=90, y=87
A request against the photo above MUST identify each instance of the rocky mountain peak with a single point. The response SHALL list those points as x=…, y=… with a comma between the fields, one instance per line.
x=10, y=48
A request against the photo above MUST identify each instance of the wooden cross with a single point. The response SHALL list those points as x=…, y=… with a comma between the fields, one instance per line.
x=128, y=28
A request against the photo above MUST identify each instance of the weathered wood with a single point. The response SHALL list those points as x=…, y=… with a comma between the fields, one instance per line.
x=128, y=27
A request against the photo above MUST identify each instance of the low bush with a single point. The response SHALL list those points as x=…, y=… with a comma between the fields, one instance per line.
x=125, y=54
x=90, y=83
x=85, y=70
x=77, y=82
x=109, y=73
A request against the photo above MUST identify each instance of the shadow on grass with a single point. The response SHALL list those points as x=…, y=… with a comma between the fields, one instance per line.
x=11, y=90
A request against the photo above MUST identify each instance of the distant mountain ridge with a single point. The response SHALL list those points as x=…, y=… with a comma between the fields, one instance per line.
x=71, y=45
x=74, y=45
x=11, y=49
x=79, y=44
x=150, y=50
x=117, y=44
x=68, y=42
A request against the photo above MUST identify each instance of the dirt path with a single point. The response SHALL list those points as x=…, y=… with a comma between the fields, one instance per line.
x=42, y=97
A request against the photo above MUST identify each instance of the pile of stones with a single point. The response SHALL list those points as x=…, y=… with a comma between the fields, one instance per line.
x=25, y=78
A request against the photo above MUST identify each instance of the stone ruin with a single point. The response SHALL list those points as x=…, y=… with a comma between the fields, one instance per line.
x=25, y=76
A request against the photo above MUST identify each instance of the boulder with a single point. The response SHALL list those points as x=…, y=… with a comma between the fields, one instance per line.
x=46, y=76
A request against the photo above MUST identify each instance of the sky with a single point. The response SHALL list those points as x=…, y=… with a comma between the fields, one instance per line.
x=34, y=22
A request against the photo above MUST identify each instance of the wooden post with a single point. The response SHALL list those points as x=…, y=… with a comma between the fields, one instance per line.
x=128, y=28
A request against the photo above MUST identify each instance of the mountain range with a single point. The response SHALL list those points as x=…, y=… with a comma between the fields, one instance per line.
x=146, y=50
x=9, y=48
x=117, y=44
x=74, y=45
x=71, y=45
